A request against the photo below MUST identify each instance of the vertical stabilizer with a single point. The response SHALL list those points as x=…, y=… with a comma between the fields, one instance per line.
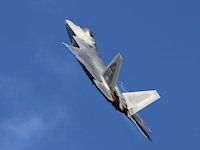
x=111, y=72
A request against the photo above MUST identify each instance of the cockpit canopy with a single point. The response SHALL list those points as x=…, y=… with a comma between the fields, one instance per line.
x=88, y=32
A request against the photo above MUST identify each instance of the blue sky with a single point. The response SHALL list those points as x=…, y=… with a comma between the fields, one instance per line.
x=48, y=103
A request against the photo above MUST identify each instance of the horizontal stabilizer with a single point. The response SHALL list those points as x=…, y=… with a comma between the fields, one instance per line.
x=139, y=100
x=111, y=73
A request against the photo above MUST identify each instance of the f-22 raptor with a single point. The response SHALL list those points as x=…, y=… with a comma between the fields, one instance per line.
x=105, y=77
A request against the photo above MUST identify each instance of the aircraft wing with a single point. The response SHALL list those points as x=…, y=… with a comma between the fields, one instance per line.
x=103, y=89
x=82, y=57
x=73, y=49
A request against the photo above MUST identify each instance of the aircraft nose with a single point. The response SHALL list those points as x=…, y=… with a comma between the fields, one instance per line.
x=67, y=24
x=67, y=21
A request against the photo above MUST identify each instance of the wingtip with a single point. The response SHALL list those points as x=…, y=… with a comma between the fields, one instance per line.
x=66, y=45
x=63, y=43
x=119, y=55
x=149, y=138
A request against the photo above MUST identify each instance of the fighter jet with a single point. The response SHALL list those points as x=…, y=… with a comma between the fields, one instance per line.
x=83, y=46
